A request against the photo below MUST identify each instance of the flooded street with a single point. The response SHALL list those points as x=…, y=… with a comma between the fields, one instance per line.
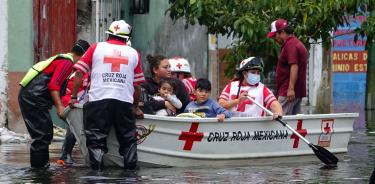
x=355, y=166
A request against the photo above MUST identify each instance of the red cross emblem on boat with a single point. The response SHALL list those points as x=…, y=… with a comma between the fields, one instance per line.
x=191, y=136
x=327, y=126
x=301, y=131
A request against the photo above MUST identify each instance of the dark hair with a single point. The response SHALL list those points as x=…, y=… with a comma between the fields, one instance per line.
x=187, y=75
x=118, y=38
x=80, y=47
x=237, y=76
x=169, y=81
x=203, y=84
x=154, y=62
x=289, y=29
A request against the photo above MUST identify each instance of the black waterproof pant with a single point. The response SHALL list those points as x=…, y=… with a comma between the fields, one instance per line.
x=40, y=127
x=99, y=116
x=372, y=177
x=68, y=146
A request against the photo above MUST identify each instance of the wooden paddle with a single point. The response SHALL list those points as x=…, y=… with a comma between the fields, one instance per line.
x=323, y=154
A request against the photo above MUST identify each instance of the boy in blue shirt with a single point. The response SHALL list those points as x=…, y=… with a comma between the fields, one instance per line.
x=210, y=107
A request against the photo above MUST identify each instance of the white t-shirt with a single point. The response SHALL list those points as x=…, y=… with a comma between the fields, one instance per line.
x=259, y=93
x=114, y=69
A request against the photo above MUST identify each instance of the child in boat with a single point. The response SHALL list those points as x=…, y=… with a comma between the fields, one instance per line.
x=235, y=96
x=70, y=140
x=202, y=93
x=166, y=93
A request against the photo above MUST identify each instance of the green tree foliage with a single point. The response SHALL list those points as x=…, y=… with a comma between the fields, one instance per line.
x=250, y=20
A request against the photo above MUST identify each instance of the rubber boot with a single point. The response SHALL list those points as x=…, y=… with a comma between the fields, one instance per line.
x=96, y=159
x=67, y=148
x=65, y=158
x=130, y=158
x=39, y=159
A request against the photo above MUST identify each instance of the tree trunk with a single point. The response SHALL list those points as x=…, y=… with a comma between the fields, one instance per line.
x=370, y=82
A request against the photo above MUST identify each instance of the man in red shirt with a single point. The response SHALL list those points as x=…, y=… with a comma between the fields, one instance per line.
x=291, y=67
x=40, y=89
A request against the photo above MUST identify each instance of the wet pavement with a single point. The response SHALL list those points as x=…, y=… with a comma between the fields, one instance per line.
x=355, y=166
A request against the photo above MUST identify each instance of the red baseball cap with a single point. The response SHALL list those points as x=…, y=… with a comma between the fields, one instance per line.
x=277, y=25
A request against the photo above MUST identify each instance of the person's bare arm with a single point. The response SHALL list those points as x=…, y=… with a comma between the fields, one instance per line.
x=231, y=103
x=57, y=101
x=220, y=117
x=292, y=82
x=169, y=106
x=277, y=109
x=137, y=96
x=78, y=78
x=228, y=104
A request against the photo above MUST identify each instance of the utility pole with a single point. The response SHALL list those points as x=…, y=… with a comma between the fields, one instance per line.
x=213, y=64
x=370, y=81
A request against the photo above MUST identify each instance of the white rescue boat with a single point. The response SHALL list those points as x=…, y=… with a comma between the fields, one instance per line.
x=181, y=141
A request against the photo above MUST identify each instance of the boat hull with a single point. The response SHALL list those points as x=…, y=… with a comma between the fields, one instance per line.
x=176, y=141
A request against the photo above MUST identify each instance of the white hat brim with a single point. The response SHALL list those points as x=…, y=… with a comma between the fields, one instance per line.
x=116, y=34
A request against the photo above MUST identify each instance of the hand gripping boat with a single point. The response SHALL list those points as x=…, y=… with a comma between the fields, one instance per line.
x=178, y=141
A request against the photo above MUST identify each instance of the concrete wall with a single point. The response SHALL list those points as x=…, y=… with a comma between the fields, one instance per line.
x=315, y=72
x=20, y=55
x=349, y=72
x=155, y=33
x=85, y=20
x=20, y=14
x=3, y=62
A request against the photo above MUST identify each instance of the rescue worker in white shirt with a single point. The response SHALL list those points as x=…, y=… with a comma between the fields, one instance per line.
x=116, y=72
x=180, y=69
x=234, y=96
x=40, y=89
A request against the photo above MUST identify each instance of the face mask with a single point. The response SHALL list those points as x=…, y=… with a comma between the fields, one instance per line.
x=253, y=79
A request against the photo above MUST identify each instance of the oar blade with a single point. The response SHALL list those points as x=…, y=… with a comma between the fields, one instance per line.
x=325, y=156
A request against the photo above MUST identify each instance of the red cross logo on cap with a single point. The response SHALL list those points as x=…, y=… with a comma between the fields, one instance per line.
x=179, y=65
x=117, y=27
x=191, y=136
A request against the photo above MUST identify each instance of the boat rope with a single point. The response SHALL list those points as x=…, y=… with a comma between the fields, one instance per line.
x=150, y=129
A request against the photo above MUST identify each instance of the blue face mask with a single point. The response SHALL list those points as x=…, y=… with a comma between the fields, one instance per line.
x=253, y=79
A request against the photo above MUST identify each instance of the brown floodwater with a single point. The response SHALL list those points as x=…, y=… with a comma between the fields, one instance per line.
x=355, y=166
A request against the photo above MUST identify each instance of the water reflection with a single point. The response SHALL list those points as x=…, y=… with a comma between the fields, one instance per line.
x=370, y=120
x=354, y=166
